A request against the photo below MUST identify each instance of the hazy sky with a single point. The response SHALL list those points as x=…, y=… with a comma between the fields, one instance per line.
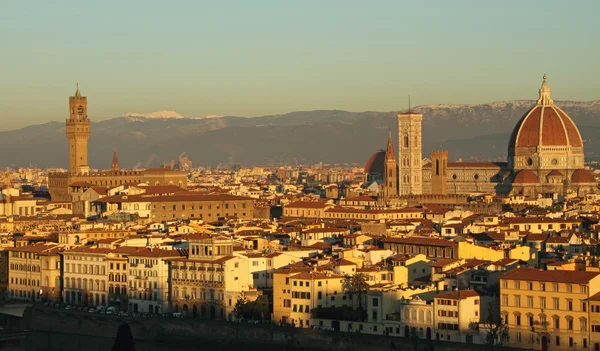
x=251, y=58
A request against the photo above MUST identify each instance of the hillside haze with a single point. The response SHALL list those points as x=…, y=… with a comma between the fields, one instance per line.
x=469, y=132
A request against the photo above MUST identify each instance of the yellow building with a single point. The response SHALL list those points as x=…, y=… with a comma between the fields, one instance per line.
x=85, y=276
x=34, y=272
x=594, y=308
x=297, y=289
x=547, y=309
x=456, y=315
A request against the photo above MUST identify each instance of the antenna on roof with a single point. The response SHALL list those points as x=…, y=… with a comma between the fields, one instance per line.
x=408, y=102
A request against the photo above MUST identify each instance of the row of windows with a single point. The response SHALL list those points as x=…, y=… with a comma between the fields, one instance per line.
x=542, y=287
x=568, y=305
x=24, y=267
x=556, y=321
x=302, y=295
x=448, y=326
x=192, y=207
x=301, y=309
x=85, y=269
x=96, y=285
x=21, y=281
x=200, y=216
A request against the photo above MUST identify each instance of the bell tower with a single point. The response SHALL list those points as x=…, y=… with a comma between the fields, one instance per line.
x=391, y=170
x=78, y=133
x=410, y=153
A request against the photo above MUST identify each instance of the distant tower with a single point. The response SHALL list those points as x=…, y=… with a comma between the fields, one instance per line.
x=78, y=133
x=391, y=170
x=115, y=162
x=411, y=153
x=439, y=167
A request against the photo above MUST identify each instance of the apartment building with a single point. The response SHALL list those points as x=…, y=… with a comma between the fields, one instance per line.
x=85, y=277
x=547, y=309
x=210, y=280
x=457, y=315
x=34, y=272
x=148, y=278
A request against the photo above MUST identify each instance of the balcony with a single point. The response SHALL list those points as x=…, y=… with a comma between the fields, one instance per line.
x=147, y=265
x=133, y=265
x=141, y=278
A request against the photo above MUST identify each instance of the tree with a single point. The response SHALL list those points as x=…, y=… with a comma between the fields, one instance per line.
x=414, y=338
x=497, y=331
x=238, y=309
x=357, y=284
x=124, y=339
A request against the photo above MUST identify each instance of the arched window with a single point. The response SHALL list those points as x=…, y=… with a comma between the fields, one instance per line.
x=437, y=167
x=406, y=140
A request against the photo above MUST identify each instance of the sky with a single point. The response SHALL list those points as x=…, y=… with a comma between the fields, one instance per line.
x=254, y=58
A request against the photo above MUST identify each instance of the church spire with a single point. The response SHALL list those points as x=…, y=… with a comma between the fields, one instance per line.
x=545, y=98
x=115, y=162
x=389, y=152
x=77, y=93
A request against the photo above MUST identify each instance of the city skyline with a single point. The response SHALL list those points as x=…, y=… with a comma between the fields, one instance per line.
x=271, y=58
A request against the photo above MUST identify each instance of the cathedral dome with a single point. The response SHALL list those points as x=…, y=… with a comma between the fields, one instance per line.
x=545, y=125
x=526, y=177
x=582, y=176
x=376, y=163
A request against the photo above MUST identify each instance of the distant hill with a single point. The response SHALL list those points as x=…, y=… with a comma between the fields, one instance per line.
x=469, y=132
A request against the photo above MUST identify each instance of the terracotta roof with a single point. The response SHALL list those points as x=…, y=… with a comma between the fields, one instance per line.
x=361, y=198
x=307, y=204
x=526, y=176
x=545, y=125
x=421, y=241
x=555, y=173
x=532, y=274
x=443, y=262
x=179, y=197
x=376, y=163
x=457, y=295
x=582, y=176
x=595, y=297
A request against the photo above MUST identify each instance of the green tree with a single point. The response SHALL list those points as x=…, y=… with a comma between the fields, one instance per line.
x=124, y=340
x=497, y=331
x=357, y=283
x=238, y=309
x=414, y=338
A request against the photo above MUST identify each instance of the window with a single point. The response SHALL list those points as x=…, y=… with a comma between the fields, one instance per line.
x=518, y=319
x=375, y=302
x=542, y=302
x=556, y=323
x=555, y=287
x=529, y=301
x=583, y=289
x=569, y=288
x=569, y=304
x=504, y=300
x=504, y=284
x=517, y=285
x=518, y=300
x=569, y=323
x=542, y=287
x=555, y=303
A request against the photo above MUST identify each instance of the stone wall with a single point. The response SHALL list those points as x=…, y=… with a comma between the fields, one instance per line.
x=180, y=334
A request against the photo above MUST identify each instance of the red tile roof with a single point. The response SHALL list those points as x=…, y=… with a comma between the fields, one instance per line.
x=457, y=295
x=532, y=274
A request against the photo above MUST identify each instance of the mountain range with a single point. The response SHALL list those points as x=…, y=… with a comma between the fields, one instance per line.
x=468, y=132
